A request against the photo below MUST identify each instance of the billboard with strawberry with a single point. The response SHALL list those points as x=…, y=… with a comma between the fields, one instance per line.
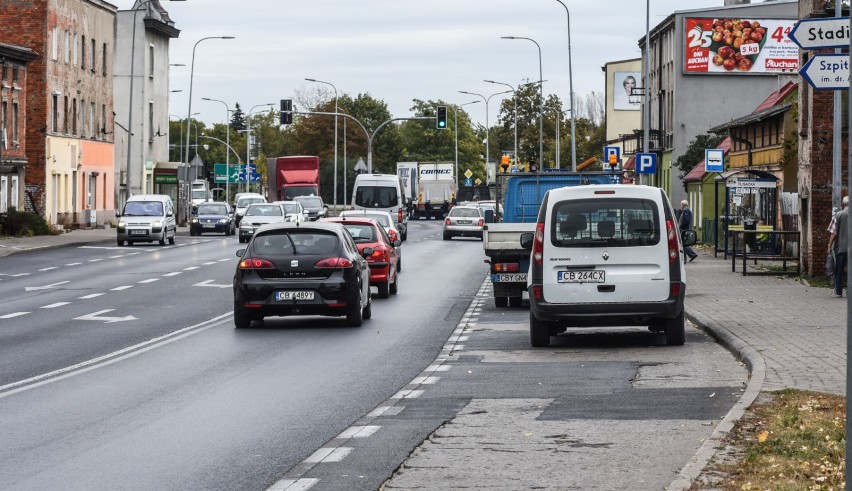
x=739, y=46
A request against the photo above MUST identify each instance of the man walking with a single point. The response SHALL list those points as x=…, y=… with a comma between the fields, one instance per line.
x=838, y=243
x=684, y=224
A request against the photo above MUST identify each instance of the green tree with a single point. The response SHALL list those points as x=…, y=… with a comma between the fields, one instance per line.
x=238, y=119
x=695, y=152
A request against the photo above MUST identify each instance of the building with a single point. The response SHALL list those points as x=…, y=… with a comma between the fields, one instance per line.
x=13, y=107
x=623, y=107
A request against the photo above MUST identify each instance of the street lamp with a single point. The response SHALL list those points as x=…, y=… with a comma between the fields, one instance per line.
x=248, y=140
x=335, y=133
x=228, y=144
x=456, y=132
x=239, y=161
x=541, y=96
x=487, y=133
x=515, y=110
x=571, y=91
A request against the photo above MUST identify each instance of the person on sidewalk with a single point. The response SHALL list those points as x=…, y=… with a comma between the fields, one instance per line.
x=838, y=243
x=684, y=223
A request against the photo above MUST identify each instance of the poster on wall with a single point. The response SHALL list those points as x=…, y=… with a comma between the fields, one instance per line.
x=739, y=46
x=622, y=89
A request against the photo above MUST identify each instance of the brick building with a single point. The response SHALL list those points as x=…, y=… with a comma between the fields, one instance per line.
x=69, y=175
x=13, y=107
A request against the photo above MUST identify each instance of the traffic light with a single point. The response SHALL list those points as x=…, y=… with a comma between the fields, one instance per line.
x=441, y=117
x=286, y=115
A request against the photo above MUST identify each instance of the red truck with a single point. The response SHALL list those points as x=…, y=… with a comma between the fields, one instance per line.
x=293, y=176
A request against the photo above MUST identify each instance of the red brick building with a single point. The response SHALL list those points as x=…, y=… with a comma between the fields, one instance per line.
x=13, y=107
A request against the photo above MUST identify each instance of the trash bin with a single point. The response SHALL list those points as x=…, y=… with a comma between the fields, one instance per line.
x=750, y=239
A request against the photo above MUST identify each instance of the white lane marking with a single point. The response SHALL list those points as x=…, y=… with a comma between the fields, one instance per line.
x=375, y=413
x=73, y=264
x=133, y=253
x=223, y=260
x=95, y=260
x=19, y=274
x=211, y=284
x=359, y=431
x=54, y=305
x=437, y=368
x=150, y=280
x=302, y=484
x=326, y=454
x=13, y=314
x=190, y=268
x=119, y=288
x=425, y=380
x=45, y=287
x=48, y=269
x=91, y=295
x=407, y=394
x=96, y=316
x=107, y=359
x=208, y=263
x=175, y=273
x=116, y=257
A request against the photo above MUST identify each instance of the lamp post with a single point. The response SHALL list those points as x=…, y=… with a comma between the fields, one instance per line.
x=228, y=144
x=248, y=140
x=456, y=133
x=541, y=96
x=515, y=110
x=335, y=133
x=239, y=160
x=487, y=132
x=571, y=92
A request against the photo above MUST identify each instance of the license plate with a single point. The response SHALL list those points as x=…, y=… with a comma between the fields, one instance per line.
x=138, y=232
x=294, y=295
x=592, y=276
x=509, y=278
x=464, y=222
x=208, y=225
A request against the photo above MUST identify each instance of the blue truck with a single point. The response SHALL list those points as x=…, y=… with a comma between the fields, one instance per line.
x=521, y=194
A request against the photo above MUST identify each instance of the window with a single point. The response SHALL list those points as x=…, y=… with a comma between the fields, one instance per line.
x=83, y=121
x=151, y=61
x=94, y=121
x=150, y=121
x=83, y=52
x=65, y=118
x=3, y=125
x=55, y=115
x=103, y=120
x=54, y=51
x=67, y=46
x=5, y=72
x=14, y=74
x=94, y=55
x=104, y=61
x=624, y=222
x=14, y=121
x=74, y=117
x=74, y=49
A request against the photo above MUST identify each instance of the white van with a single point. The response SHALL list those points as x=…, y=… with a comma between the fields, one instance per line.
x=606, y=255
x=382, y=192
x=147, y=218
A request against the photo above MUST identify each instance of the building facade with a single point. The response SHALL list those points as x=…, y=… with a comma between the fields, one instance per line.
x=13, y=107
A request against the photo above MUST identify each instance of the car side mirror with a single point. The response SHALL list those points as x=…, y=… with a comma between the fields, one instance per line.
x=689, y=237
x=241, y=252
x=527, y=240
x=118, y=214
x=489, y=216
x=397, y=243
x=367, y=252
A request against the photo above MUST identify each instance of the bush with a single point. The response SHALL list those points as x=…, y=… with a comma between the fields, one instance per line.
x=23, y=224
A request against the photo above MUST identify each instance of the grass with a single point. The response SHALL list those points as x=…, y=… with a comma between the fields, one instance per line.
x=788, y=440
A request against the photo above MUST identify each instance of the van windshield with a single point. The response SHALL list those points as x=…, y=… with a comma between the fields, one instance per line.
x=376, y=197
x=610, y=223
x=143, y=209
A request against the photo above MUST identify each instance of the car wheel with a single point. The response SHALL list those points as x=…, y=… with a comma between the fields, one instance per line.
x=368, y=310
x=675, y=332
x=399, y=265
x=384, y=289
x=242, y=320
x=447, y=236
x=539, y=332
x=355, y=317
x=515, y=302
x=501, y=302
x=162, y=241
x=395, y=285
x=120, y=243
x=172, y=238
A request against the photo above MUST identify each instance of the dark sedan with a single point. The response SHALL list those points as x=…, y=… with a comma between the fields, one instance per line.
x=302, y=268
x=212, y=217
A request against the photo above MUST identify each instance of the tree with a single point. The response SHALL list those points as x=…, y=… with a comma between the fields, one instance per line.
x=238, y=119
x=695, y=152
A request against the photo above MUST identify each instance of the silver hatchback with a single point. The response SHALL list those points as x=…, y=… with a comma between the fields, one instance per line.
x=464, y=221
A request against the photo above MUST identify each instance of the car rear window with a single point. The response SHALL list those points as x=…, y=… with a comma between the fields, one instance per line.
x=361, y=233
x=616, y=222
x=244, y=202
x=464, y=212
x=295, y=242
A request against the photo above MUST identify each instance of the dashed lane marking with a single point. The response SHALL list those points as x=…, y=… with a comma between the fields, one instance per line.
x=48, y=269
x=119, y=288
x=328, y=455
x=13, y=315
x=91, y=295
x=302, y=484
x=174, y=273
x=54, y=305
x=150, y=280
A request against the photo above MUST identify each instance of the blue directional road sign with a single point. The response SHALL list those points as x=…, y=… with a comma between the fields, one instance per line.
x=646, y=163
x=827, y=71
x=821, y=33
x=251, y=170
x=714, y=160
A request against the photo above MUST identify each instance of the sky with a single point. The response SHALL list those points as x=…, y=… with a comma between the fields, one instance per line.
x=397, y=50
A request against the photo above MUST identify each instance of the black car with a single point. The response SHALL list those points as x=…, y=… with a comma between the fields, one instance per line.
x=314, y=207
x=212, y=216
x=302, y=268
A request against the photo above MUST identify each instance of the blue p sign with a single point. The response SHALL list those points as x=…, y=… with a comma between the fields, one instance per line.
x=646, y=163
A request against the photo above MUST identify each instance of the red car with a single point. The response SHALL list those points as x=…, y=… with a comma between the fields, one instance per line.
x=384, y=273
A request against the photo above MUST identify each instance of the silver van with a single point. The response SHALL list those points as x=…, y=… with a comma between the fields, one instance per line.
x=606, y=255
x=147, y=218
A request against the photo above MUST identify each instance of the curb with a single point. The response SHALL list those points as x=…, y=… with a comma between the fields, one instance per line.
x=757, y=374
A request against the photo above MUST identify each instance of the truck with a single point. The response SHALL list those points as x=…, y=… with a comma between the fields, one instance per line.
x=521, y=194
x=407, y=172
x=436, y=189
x=292, y=176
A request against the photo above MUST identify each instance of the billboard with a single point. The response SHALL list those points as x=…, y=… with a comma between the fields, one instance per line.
x=739, y=46
x=623, y=98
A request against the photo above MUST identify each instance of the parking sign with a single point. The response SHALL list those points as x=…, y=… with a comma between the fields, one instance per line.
x=646, y=163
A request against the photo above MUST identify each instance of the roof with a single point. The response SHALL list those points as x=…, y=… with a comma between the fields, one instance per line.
x=698, y=173
x=771, y=106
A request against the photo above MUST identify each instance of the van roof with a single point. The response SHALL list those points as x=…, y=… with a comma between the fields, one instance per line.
x=616, y=190
x=149, y=197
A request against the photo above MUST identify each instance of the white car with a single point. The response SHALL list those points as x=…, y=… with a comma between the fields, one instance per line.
x=386, y=221
x=242, y=201
x=293, y=211
x=258, y=215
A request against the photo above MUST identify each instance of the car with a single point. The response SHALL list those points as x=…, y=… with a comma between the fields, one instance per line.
x=367, y=232
x=313, y=206
x=464, y=221
x=497, y=211
x=147, y=218
x=382, y=192
x=242, y=201
x=302, y=268
x=386, y=221
x=606, y=255
x=293, y=211
x=212, y=216
x=257, y=215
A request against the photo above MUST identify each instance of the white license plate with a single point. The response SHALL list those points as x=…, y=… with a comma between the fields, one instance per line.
x=464, y=222
x=295, y=295
x=138, y=232
x=208, y=225
x=509, y=278
x=592, y=276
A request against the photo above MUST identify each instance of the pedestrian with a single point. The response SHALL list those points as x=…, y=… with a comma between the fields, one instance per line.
x=684, y=223
x=838, y=243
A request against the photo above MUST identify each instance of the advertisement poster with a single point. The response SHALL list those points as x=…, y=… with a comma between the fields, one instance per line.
x=739, y=46
x=624, y=99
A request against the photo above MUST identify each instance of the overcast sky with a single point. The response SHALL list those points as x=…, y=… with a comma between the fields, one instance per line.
x=397, y=50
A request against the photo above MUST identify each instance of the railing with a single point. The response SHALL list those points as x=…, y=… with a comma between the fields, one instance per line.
x=774, y=249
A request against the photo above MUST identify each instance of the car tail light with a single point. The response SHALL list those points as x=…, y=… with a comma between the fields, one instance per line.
x=256, y=263
x=536, y=292
x=671, y=232
x=676, y=285
x=481, y=222
x=538, y=243
x=379, y=253
x=447, y=222
x=392, y=235
x=399, y=215
x=333, y=262
x=507, y=267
